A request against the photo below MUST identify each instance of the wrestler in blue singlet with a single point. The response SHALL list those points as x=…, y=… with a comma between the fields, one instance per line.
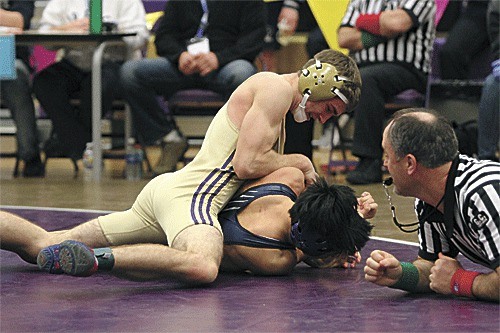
x=235, y=234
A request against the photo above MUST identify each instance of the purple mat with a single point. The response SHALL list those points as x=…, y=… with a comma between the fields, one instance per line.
x=309, y=300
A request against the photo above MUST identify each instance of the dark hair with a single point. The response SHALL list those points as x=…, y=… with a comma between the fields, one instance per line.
x=423, y=133
x=345, y=66
x=332, y=212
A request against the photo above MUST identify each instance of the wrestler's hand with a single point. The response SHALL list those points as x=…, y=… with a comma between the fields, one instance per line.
x=310, y=177
x=441, y=274
x=382, y=268
x=367, y=207
x=351, y=260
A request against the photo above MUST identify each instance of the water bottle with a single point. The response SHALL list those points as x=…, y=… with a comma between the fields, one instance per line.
x=133, y=160
x=88, y=162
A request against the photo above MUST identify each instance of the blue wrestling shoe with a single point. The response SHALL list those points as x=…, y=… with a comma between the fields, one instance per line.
x=77, y=259
x=48, y=260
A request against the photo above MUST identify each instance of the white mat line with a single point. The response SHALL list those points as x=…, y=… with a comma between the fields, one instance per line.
x=57, y=209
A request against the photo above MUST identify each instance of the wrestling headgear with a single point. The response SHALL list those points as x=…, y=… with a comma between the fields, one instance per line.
x=310, y=241
x=318, y=82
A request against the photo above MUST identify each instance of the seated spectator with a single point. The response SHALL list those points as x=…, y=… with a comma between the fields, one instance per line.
x=391, y=41
x=488, y=122
x=16, y=94
x=70, y=77
x=201, y=44
x=466, y=39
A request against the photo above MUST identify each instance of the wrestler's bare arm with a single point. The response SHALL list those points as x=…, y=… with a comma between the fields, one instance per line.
x=260, y=128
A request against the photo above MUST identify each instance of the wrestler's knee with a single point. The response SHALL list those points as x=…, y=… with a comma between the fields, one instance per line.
x=202, y=270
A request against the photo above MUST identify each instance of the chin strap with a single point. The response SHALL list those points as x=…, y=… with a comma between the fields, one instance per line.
x=299, y=114
x=341, y=95
x=302, y=104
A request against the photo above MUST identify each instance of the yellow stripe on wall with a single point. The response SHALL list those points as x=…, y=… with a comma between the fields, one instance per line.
x=328, y=14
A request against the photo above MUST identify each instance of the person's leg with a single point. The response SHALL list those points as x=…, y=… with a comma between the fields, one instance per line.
x=464, y=41
x=380, y=82
x=232, y=75
x=54, y=87
x=110, y=88
x=17, y=96
x=27, y=239
x=488, y=119
x=154, y=221
x=194, y=258
x=142, y=81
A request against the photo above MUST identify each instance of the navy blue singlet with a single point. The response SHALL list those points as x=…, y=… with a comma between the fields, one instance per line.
x=235, y=234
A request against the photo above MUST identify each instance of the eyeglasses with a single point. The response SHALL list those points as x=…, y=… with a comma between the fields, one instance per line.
x=403, y=227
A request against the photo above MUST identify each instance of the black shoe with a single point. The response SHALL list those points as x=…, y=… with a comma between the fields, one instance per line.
x=34, y=168
x=369, y=171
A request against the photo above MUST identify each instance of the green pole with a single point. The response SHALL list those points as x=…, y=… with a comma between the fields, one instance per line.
x=95, y=16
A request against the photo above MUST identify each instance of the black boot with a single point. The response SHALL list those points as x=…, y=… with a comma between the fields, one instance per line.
x=34, y=167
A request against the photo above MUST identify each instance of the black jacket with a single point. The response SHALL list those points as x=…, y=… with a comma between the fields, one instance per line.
x=236, y=29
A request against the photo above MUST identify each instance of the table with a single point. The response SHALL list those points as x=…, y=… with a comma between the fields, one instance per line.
x=99, y=42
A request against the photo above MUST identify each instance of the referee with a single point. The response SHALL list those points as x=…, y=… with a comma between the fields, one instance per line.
x=391, y=41
x=458, y=208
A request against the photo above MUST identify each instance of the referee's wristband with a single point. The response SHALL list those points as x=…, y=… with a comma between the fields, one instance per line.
x=409, y=278
x=461, y=282
x=368, y=40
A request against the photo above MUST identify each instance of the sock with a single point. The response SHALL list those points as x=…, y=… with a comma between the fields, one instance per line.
x=105, y=258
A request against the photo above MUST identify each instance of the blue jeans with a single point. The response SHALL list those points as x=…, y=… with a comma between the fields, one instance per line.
x=488, y=119
x=17, y=97
x=146, y=79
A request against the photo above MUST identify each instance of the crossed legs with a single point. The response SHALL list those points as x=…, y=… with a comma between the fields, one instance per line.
x=193, y=258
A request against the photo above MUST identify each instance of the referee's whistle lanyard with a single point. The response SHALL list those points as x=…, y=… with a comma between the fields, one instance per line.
x=204, y=20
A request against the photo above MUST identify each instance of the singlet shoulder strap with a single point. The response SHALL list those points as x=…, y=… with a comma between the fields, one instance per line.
x=253, y=193
x=235, y=234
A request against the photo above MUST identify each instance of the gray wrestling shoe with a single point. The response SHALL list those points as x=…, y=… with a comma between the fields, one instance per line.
x=77, y=259
x=48, y=259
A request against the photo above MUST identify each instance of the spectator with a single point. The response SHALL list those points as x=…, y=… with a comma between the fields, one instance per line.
x=467, y=38
x=284, y=18
x=16, y=94
x=391, y=42
x=488, y=120
x=235, y=33
x=57, y=84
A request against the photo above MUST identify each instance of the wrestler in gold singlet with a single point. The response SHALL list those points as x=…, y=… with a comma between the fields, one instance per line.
x=174, y=201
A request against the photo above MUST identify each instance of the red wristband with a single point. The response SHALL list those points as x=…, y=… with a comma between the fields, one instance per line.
x=369, y=22
x=461, y=282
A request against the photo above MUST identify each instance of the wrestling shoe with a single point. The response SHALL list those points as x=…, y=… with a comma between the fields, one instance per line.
x=48, y=260
x=77, y=259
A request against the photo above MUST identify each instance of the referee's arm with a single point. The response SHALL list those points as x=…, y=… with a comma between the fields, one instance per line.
x=486, y=286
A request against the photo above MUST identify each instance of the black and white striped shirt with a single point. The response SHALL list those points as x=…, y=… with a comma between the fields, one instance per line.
x=411, y=48
x=475, y=191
